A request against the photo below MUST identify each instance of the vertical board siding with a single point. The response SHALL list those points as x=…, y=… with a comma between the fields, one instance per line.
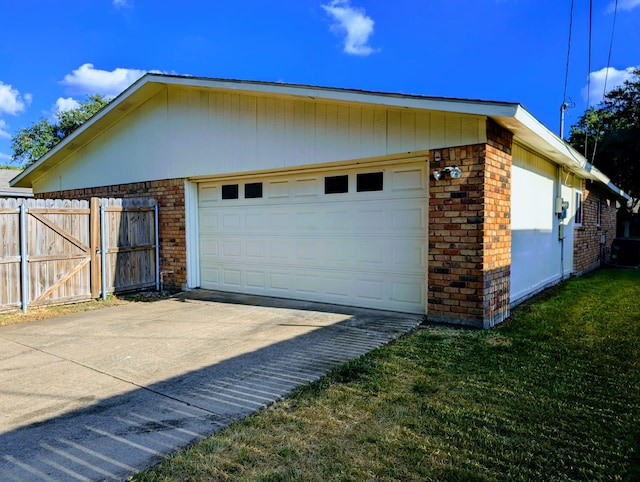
x=58, y=249
x=187, y=132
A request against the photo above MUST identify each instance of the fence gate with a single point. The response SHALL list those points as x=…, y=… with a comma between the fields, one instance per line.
x=63, y=251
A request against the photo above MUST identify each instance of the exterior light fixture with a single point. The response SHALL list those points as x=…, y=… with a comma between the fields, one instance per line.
x=454, y=172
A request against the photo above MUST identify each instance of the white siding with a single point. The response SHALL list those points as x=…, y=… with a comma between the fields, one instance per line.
x=538, y=257
x=184, y=132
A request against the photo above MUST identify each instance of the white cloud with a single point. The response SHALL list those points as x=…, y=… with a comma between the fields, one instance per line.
x=625, y=5
x=4, y=134
x=5, y=157
x=63, y=104
x=354, y=24
x=11, y=102
x=613, y=79
x=88, y=80
x=122, y=3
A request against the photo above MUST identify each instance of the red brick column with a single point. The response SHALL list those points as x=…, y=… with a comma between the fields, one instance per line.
x=169, y=194
x=470, y=233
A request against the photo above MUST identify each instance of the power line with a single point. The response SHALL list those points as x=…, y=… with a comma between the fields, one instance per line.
x=586, y=135
x=606, y=75
x=566, y=69
x=564, y=104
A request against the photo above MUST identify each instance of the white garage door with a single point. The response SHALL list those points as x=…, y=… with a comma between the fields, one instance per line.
x=354, y=237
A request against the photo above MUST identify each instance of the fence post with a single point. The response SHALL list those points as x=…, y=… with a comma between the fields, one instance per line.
x=24, y=267
x=155, y=220
x=103, y=250
x=94, y=246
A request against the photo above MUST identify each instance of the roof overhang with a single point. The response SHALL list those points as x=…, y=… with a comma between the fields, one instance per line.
x=512, y=116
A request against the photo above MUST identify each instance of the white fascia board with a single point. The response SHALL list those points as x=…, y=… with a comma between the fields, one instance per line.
x=539, y=136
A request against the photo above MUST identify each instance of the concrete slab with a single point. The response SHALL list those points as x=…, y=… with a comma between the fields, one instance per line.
x=103, y=394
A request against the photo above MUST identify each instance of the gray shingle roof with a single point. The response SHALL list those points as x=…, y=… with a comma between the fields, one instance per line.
x=7, y=191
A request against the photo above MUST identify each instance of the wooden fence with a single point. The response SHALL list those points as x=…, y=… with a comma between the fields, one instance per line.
x=63, y=251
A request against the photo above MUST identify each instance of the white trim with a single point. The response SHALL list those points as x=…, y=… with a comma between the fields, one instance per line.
x=191, y=233
x=388, y=160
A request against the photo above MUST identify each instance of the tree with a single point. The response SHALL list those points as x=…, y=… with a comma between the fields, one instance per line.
x=31, y=143
x=609, y=135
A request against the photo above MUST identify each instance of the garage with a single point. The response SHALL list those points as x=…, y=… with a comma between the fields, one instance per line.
x=350, y=235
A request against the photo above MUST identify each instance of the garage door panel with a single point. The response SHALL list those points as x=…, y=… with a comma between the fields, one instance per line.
x=254, y=221
x=256, y=279
x=359, y=248
x=210, y=276
x=208, y=247
x=408, y=180
x=280, y=282
x=278, y=190
x=405, y=258
x=255, y=249
x=306, y=188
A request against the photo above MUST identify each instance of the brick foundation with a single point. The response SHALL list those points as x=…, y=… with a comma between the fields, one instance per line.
x=169, y=194
x=470, y=233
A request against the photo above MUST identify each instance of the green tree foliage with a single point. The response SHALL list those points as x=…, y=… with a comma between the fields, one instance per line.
x=609, y=135
x=31, y=143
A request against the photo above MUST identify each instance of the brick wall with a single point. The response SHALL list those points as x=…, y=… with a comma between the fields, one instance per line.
x=587, y=247
x=169, y=194
x=470, y=233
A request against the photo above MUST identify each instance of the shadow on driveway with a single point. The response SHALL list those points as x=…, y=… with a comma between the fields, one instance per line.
x=116, y=436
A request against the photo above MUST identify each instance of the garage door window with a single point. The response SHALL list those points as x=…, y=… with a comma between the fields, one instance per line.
x=253, y=190
x=336, y=184
x=230, y=191
x=369, y=181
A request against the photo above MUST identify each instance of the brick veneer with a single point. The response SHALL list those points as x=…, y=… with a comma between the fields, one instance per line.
x=587, y=248
x=470, y=233
x=169, y=195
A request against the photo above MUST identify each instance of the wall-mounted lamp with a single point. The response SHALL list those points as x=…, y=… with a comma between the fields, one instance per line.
x=454, y=172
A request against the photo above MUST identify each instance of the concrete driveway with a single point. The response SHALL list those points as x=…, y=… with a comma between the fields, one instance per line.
x=103, y=394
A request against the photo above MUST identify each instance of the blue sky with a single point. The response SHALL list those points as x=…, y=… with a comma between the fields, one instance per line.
x=54, y=53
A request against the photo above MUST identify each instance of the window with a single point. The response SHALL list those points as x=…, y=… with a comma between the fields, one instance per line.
x=336, y=184
x=599, y=213
x=577, y=220
x=253, y=190
x=230, y=191
x=370, y=181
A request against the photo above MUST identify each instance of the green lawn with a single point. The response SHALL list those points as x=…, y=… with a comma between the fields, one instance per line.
x=551, y=394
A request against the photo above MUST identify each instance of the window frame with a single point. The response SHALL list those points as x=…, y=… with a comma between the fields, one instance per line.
x=253, y=190
x=224, y=192
x=330, y=188
x=578, y=216
x=365, y=181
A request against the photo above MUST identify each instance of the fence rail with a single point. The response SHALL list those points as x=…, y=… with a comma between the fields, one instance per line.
x=56, y=251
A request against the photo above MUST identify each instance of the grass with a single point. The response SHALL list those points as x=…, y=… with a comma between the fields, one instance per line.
x=552, y=394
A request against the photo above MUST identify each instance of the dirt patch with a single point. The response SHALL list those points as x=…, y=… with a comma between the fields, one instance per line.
x=45, y=312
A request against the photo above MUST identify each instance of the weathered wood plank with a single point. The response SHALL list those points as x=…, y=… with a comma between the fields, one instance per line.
x=63, y=242
x=62, y=280
x=61, y=232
